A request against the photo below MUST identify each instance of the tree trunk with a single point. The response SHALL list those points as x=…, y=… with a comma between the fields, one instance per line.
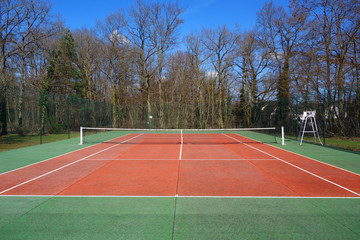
x=148, y=94
x=341, y=114
x=357, y=99
x=3, y=94
x=220, y=101
x=21, y=93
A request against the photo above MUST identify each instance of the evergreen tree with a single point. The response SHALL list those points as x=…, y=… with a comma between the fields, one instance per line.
x=68, y=72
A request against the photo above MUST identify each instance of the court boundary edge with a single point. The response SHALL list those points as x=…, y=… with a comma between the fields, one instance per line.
x=66, y=165
x=300, y=168
x=313, y=159
x=147, y=196
x=59, y=156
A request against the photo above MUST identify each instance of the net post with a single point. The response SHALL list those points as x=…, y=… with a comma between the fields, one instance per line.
x=81, y=136
x=281, y=111
x=182, y=138
x=282, y=136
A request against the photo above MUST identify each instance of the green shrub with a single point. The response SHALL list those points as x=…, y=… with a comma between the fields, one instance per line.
x=21, y=131
x=56, y=128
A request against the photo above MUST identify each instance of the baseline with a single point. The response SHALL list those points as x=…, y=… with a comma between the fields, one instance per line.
x=175, y=196
x=188, y=159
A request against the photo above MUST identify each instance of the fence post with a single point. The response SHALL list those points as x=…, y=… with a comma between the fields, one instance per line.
x=111, y=122
x=229, y=111
x=324, y=117
x=201, y=117
x=84, y=112
x=260, y=114
x=255, y=115
x=154, y=120
x=96, y=114
x=105, y=115
x=269, y=123
x=297, y=115
x=68, y=115
x=135, y=116
x=40, y=102
x=165, y=117
x=147, y=120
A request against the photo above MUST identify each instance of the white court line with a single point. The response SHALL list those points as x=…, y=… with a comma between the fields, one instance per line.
x=176, y=196
x=184, y=159
x=180, y=152
x=275, y=197
x=345, y=170
x=293, y=165
x=58, y=156
x=57, y=169
x=132, y=159
x=230, y=159
x=181, y=145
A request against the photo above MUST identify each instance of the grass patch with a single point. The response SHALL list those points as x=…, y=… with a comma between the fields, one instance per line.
x=14, y=141
x=349, y=143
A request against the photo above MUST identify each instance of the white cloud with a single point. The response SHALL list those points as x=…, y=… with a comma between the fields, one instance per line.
x=211, y=74
x=116, y=36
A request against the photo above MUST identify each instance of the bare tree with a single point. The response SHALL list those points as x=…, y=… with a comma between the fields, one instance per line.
x=164, y=22
x=89, y=60
x=181, y=91
x=282, y=33
x=336, y=25
x=115, y=48
x=137, y=26
x=12, y=14
x=197, y=58
x=253, y=60
x=36, y=27
x=221, y=44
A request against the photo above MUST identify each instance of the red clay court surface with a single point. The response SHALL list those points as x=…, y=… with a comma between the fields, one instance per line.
x=210, y=165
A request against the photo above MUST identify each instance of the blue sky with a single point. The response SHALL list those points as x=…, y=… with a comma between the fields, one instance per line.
x=198, y=14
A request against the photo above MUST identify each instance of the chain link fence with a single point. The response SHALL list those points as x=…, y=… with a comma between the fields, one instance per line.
x=29, y=111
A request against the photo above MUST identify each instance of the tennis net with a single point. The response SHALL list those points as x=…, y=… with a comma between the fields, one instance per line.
x=179, y=136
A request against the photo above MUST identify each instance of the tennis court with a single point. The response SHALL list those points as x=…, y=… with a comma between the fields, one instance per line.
x=181, y=185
